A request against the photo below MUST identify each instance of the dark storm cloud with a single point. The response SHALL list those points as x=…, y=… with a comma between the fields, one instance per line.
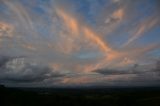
x=138, y=75
x=118, y=72
x=157, y=67
x=107, y=71
x=136, y=69
x=32, y=74
x=17, y=70
x=112, y=72
x=4, y=60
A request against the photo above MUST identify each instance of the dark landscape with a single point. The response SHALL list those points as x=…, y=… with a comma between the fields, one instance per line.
x=120, y=96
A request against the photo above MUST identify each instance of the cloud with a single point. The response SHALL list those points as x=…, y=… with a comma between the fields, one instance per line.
x=113, y=58
x=113, y=72
x=142, y=28
x=4, y=60
x=115, y=1
x=29, y=47
x=70, y=22
x=21, y=13
x=6, y=30
x=157, y=67
x=136, y=70
x=78, y=32
x=116, y=16
x=96, y=39
x=18, y=70
x=67, y=41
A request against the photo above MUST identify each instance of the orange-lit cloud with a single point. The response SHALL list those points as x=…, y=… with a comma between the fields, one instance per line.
x=70, y=22
x=90, y=35
x=55, y=66
x=78, y=29
x=67, y=46
x=92, y=79
x=132, y=56
x=68, y=34
x=23, y=17
x=94, y=39
x=6, y=30
x=118, y=14
x=124, y=58
x=141, y=29
x=116, y=17
x=50, y=45
x=29, y=47
x=77, y=80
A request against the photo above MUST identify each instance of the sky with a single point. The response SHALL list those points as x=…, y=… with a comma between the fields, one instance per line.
x=79, y=43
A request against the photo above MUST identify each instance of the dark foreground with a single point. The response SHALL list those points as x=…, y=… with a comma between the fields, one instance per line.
x=149, y=96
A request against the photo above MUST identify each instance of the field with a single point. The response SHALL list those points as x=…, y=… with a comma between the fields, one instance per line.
x=146, y=96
